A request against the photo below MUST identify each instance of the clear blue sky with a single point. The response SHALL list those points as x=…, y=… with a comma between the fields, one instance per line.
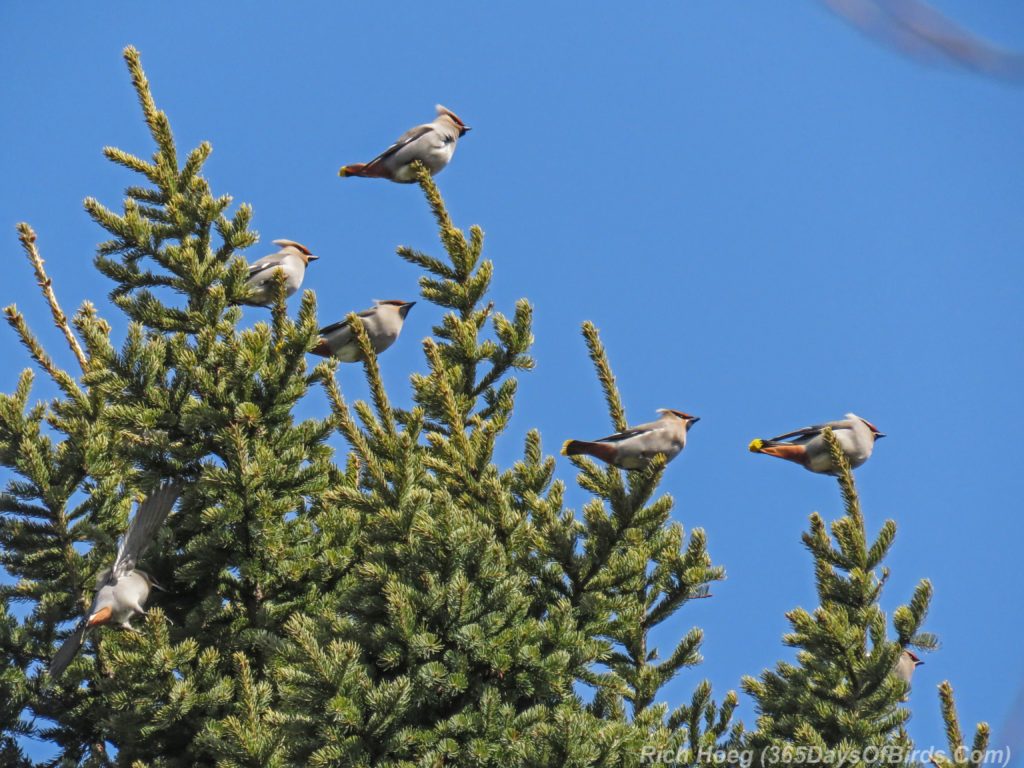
x=772, y=220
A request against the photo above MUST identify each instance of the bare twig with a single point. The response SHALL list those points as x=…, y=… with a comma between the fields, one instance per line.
x=28, y=241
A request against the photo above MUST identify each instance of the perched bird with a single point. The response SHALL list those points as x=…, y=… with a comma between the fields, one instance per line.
x=433, y=144
x=122, y=590
x=383, y=322
x=634, y=448
x=292, y=260
x=905, y=666
x=808, y=448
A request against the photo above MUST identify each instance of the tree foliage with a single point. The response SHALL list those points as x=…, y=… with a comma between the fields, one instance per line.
x=394, y=600
x=841, y=696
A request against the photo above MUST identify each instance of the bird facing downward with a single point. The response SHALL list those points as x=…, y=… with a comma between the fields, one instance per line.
x=807, y=446
x=433, y=144
x=292, y=260
x=383, y=322
x=634, y=448
x=906, y=665
x=122, y=589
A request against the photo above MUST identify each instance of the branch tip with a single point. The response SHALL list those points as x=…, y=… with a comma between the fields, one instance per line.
x=27, y=236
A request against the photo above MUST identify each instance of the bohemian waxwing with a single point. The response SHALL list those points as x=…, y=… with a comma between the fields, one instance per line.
x=292, y=260
x=433, y=144
x=122, y=590
x=634, y=448
x=906, y=665
x=919, y=30
x=383, y=322
x=808, y=448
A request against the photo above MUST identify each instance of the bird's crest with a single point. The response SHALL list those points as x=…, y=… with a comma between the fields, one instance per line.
x=293, y=244
x=674, y=412
x=443, y=110
x=304, y=253
x=872, y=427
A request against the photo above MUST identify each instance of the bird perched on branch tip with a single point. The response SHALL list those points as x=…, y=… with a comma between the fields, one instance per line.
x=634, y=448
x=905, y=666
x=383, y=323
x=292, y=260
x=433, y=144
x=807, y=446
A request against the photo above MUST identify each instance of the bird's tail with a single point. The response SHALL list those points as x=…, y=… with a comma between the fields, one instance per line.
x=602, y=451
x=67, y=652
x=366, y=170
x=356, y=169
x=322, y=349
x=248, y=303
x=778, y=449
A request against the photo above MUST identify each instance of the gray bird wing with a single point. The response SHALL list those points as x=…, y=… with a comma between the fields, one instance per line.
x=640, y=429
x=344, y=323
x=406, y=138
x=812, y=431
x=66, y=653
x=144, y=526
x=262, y=265
x=333, y=327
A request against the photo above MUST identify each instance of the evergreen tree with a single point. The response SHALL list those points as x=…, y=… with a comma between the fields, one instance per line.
x=408, y=604
x=841, y=697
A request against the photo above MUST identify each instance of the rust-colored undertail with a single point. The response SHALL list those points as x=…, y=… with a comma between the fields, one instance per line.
x=364, y=170
x=602, y=451
x=102, y=616
x=796, y=453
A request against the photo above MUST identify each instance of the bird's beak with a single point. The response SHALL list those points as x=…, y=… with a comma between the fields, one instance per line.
x=312, y=257
x=409, y=304
x=879, y=435
x=694, y=419
x=918, y=663
x=465, y=129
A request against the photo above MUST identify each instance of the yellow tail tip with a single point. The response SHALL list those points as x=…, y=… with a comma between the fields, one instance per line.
x=565, y=448
x=756, y=445
x=343, y=171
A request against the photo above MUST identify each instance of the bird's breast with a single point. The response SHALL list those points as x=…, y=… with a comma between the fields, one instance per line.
x=439, y=156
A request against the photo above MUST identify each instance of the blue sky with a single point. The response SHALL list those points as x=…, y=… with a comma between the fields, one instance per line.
x=772, y=220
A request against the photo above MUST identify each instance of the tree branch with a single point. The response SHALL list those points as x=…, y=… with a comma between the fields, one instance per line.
x=28, y=241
